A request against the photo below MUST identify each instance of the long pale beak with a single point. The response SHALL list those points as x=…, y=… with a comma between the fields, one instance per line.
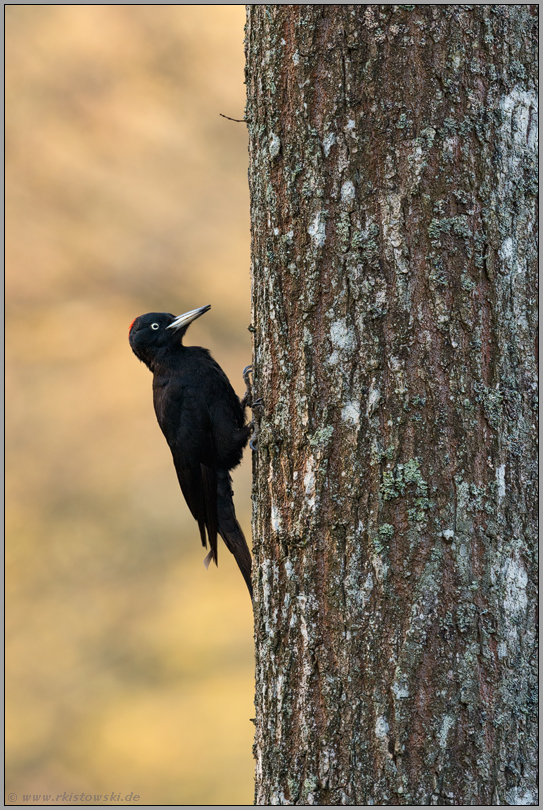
x=188, y=317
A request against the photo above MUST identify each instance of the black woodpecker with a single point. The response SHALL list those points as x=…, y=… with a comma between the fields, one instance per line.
x=204, y=424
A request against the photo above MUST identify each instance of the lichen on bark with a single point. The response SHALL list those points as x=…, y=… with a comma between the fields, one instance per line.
x=393, y=215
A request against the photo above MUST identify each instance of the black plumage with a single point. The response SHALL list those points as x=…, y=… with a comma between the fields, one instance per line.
x=204, y=424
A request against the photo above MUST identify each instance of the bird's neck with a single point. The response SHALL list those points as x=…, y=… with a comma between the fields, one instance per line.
x=166, y=358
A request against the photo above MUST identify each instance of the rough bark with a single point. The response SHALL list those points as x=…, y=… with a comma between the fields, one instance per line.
x=392, y=159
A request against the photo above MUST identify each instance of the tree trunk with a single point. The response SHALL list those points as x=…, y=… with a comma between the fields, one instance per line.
x=392, y=158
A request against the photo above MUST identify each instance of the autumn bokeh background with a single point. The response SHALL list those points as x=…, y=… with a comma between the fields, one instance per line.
x=129, y=667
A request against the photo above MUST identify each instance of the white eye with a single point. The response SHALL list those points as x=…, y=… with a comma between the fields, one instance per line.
x=155, y=326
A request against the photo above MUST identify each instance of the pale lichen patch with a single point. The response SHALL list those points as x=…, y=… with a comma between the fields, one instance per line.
x=500, y=480
x=347, y=192
x=381, y=727
x=446, y=725
x=275, y=145
x=276, y=518
x=317, y=230
x=351, y=413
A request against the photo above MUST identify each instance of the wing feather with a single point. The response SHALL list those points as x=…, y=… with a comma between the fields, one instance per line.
x=188, y=430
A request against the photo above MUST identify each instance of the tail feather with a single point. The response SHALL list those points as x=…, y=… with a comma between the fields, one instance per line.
x=229, y=528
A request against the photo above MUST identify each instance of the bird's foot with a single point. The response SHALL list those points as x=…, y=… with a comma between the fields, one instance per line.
x=246, y=371
x=253, y=404
x=247, y=399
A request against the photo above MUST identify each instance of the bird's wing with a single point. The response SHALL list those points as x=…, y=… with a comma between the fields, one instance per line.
x=186, y=424
x=199, y=487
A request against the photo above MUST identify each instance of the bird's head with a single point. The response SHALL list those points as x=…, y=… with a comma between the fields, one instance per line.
x=155, y=332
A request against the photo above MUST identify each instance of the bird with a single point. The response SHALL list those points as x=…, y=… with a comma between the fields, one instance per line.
x=203, y=421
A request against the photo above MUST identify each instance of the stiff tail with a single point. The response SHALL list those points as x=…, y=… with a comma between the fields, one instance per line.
x=229, y=528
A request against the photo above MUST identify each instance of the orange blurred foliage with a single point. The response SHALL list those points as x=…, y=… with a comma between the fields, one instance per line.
x=129, y=667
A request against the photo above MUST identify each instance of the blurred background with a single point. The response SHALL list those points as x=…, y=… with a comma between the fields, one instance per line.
x=129, y=666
